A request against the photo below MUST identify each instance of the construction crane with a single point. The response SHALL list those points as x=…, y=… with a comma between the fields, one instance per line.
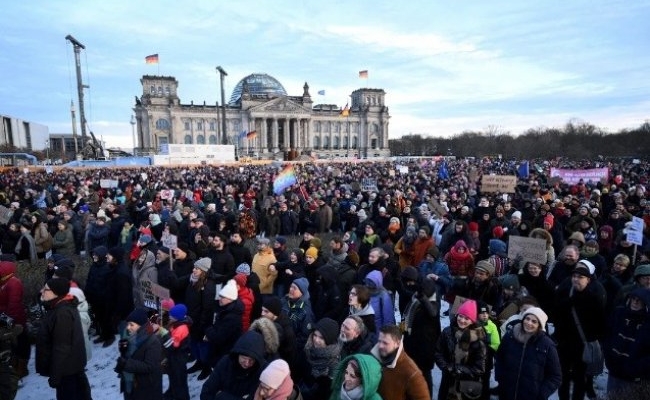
x=92, y=149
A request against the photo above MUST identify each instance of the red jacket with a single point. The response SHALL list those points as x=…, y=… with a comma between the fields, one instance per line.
x=11, y=293
x=247, y=297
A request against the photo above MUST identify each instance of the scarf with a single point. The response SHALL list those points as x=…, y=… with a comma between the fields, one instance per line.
x=354, y=394
x=135, y=341
x=323, y=360
x=124, y=235
x=520, y=334
x=32, y=245
x=370, y=239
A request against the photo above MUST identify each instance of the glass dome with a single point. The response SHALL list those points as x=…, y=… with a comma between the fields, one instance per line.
x=258, y=84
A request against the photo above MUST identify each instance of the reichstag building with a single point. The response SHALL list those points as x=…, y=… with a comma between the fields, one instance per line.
x=263, y=121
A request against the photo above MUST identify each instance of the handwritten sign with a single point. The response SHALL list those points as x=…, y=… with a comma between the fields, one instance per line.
x=527, y=249
x=369, y=185
x=498, y=183
x=634, y=233
x=159, y=291
x=147, y=295
x=170, y=241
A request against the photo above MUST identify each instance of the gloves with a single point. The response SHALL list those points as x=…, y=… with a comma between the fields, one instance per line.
x=53, y=382
x=119, y=367
x=123, y=346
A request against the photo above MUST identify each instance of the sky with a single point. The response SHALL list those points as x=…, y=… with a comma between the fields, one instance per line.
x=446, y=67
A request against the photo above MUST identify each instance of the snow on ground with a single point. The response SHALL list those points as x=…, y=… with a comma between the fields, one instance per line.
x=105, y=383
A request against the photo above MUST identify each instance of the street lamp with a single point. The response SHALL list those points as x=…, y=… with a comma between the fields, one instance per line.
x=135, y=145
x=222, y=74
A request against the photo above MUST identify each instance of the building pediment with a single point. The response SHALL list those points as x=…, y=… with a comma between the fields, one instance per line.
x=279, y=106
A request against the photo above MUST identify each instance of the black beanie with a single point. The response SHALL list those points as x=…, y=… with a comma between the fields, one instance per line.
x=273, y=304
x=59, y=286
x=63, y=272
x=139, y=316
x=329, y=329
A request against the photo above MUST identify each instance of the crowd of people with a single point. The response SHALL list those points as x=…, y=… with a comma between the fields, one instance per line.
x=193, y=273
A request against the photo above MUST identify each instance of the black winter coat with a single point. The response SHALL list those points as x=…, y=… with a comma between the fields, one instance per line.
x=200, y=303
x=144, y=364
x=225, y=330
x=527, y=371
x=60, y=348
x=590, y=307
x=229, y=378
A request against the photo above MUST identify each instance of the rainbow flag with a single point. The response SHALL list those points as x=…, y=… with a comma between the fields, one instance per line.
x=284, y=179
x=152, y=59
x=251, y=135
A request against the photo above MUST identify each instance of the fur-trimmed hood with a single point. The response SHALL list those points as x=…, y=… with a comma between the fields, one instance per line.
x=269, y=332
x=542, y=234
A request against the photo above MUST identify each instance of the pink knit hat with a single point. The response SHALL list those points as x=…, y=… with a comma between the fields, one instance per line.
x=275, y=373
x=468, y=310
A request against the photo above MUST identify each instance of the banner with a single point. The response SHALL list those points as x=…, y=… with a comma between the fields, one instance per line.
x=108, y=183
x=498, y=183
x=5, y=215
x=573, y=176
x=527, y=249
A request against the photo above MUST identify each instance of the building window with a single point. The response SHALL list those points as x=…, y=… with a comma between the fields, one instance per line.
x=199, y=126
x=316, y=126
x=213, y=139
x=373, y=143
x=167, y=91
x=187, y=126
x=200, y=139
x=336, y=142
x=213, y=126
x=162, y=123
x=160, y=92
x=188, y=139
x=316, y=142
x=354, y=142
x=153, y=89
x=326, y=142
x=345, y=142
x=336, y=127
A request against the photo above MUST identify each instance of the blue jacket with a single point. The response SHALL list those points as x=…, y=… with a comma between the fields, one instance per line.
x=380, y=300
x=441, y=269
x=527, y=371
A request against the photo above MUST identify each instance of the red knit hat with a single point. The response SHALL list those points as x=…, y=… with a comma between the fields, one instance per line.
x=473, y=226
x=549, y=220
x=497, y=232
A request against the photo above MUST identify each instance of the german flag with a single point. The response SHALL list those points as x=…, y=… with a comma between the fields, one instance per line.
x=345, y=112
x=363, y=74
x=152, y=59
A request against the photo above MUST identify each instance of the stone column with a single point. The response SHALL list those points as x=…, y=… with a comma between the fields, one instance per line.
x=263, y=133
x=285, y=133
x=275, y=135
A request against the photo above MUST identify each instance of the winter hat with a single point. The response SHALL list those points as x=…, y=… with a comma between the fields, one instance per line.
x=395, y=220
x=59, y=286
x=203, y=263
x=315, y=242
x=281, y=239
x=549, y=220
x=469, y=310
x=263, y=240
x=64, y=262
x=178, y=312
x=145, y=239
x=578, y=237
x=498, y=247
x=244, y=269
x=63, y=272
x=117, y=253
x=510, y=281
x=482, y=307
x=642, y=270
x=275, y=373
x=498, y=232
x=312, y=252
x=164, y=250
x=329, y=329
x=410, y=274
x=241, y=279
x=473, y=226
x=516, y=214
x=184, y=247
x=585, y=268
x=433, y=251
x=273, y=304
x=539, y=314
x=303, y=285
x=485, y=265
x=139, y=316
x=426, y=229
x=229, y=291
x=167, y=304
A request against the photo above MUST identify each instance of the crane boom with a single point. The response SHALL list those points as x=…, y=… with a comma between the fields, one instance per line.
x=77, y=46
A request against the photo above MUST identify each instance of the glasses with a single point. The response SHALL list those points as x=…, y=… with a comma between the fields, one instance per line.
x=353, y=293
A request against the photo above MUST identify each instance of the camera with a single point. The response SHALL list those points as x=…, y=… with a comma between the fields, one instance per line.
x=6, y=321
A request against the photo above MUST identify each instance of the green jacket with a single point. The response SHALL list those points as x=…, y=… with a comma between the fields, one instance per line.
x=370, y=376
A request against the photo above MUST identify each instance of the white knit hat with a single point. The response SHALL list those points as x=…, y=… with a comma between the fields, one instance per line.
x=539, y=314
x=229, y=291
x=275, y=373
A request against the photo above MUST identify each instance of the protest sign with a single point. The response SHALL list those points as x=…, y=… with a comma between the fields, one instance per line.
x=573, y=176
x=369, y=185
x=166, y=194
x=159, y=291
x=147, y=295
x=170, y=241
x=108, y=183
x=5, y=215
x=498, y=183
x=527, y=249
x=634, y=232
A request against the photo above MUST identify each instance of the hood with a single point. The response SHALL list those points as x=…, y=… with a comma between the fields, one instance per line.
x=542, y=234
x=100, y=251
x=7, y=268
x=328, y=273
x=269, y=333
x=250, y=344
x=644, y=295
x=370, y=373
x=374, y=279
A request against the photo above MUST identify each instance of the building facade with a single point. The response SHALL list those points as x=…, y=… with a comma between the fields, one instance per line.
x=283, y=125
x=21, y=134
